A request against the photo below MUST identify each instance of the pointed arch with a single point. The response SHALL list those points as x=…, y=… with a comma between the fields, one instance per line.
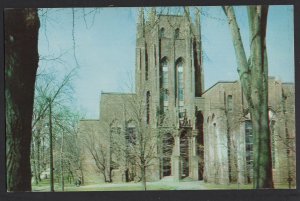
x=168, y=143
x=179, y=85
x=164, y=83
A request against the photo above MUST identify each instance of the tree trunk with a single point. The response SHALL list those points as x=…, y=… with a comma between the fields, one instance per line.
x=143, y=171
x=21, y=63
x=36, y=181
x=82, y=176
x=262, y=160
x=39, y=161
x=254, y=81
x=51, y=148
x=62, y=164
x=38, y=156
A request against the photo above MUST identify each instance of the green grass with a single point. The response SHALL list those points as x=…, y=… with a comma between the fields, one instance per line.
x=45, y=186
x=211, y=186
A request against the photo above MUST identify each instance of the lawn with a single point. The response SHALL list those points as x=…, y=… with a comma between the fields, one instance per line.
x=159, y=185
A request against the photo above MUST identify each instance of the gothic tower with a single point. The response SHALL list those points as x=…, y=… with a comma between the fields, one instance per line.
x=169, y=77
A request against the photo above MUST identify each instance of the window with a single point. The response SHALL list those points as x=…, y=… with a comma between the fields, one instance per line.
x=180, y=83
x=180, y=87
x=154, y=54
x=146, y=62
x=162, y=32
x=168, y=143
x=164, y=84
x=229, y=103
x=140, y=59
x=176, y=36
x=249, y=150
x=130, y=134
x=148, y=106
x=181, y=110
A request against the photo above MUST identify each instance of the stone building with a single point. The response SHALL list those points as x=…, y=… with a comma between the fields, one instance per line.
x=197, y=134
x=227, y=126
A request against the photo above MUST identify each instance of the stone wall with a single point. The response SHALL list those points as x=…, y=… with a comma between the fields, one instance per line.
x=224, y=130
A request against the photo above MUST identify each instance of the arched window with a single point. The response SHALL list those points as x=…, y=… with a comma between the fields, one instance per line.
x=162, y=32
x=164, y=83
x=168, y=143
x=184, y=154
x=148, y=106
x=229, y=103
x=180, y=81
x=130, y=133
x=180, y=87
x=176, y=36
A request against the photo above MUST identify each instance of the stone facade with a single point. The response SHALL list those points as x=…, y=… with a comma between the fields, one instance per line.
x=198, y=134
x=227, y=125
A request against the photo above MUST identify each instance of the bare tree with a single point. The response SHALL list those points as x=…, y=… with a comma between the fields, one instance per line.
x=98, y=150
x=254, y=80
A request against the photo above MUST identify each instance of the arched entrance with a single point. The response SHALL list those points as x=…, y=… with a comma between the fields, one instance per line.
x=184, y=154
x=168, y=143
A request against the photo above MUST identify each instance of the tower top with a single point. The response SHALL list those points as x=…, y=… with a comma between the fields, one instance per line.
x=197, y=22
x=141, y=23
x=141, y=18
x=152, y=15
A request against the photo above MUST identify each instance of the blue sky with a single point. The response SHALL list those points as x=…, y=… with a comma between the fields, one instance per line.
x=105, y=48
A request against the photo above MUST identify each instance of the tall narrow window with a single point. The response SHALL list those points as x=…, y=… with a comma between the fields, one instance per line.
x=180, y=87
x=164, y=84
x=176, y=36
x=148, y=107
x=154, y=54
x=229, y=103
x=146, y=62
x=130, y=134
x=249, y=150
x=167, y=149
x=140, y=59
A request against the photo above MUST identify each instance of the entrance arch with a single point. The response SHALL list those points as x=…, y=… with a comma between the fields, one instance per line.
x=184, y=154
x=168, y=144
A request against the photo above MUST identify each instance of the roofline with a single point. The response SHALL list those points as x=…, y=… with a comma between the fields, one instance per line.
x=117, y=93
x=89, y=120
x=219, y=82
x=290, y=83
x=171, y=15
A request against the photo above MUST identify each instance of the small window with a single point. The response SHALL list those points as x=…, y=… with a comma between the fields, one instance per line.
x=146, y=62
x=130, y=135
x=176, y=33
x=162, y=32
x=148, y=106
